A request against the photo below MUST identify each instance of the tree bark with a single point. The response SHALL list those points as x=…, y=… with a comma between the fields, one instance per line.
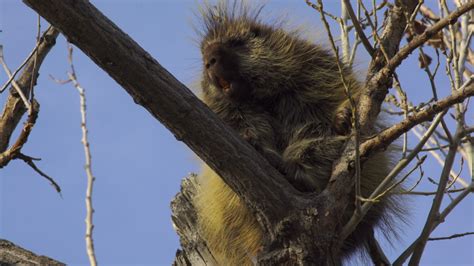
x=194, y=249
x=150, y=85
x=11, y=254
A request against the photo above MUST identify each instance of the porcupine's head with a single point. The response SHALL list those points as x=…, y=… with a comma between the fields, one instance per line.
x=244, y=58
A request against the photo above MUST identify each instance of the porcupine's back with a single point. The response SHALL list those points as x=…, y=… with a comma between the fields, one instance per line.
x=297, y=83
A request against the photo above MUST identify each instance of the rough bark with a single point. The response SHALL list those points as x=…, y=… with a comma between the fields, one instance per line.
x=194, y=250
x=11, y=254
x=150, y=85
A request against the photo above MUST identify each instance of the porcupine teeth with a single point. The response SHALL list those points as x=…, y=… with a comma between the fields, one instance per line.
x=224, y=84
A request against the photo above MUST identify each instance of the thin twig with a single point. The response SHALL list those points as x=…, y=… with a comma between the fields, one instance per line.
x=38, y=39
x=355, y=219
x=14, y=152
x=450, y=237
x=419, y=40
x=14, y=83
x=404, y=256
x=355, y=126
x=88, y=166
x=12, y=76
x=29, y=161
x=423, y=193
x=395, y=131
x=434, y=211
x=440, y=160
x=389, y=189
x=358, y=28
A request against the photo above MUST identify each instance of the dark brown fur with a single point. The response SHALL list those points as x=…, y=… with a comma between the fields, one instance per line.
x=284, y=95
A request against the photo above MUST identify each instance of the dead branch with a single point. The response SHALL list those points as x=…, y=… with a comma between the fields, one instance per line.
x=88, y=162
x=30, y=162
x=14, y=108
x=450, y=237
x=14, y=151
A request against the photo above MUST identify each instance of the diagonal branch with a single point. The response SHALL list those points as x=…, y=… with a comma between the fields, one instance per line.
x=15, y=150
x=261, y=187
x=380, y=71
x=419, y=40
x=360, y=32
x=383, y=139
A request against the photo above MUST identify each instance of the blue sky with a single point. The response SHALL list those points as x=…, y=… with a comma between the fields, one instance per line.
x=137, y=161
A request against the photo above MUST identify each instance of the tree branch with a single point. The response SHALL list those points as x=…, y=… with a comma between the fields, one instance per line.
x=339, y=187
x=419, y=40
x=434, y=211
x=14, y=107
x=262, y=187
x=358, y=28
x=383, y=139
x=15, y=149
x=11, y=254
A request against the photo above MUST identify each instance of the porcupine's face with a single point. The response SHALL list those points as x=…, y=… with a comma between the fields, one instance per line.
x=242, y=57
x=225, y=54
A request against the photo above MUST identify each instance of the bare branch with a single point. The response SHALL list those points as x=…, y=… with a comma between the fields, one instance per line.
x=434, y=212
x=14, y=107
x=356, y=218
x=383, y=139
x=15, y=149
x=358, y=28
x=401, y=259
x=15, y=85
x=29, y=161
x=450, y=237
x=419, y=40
x=380, y=70
x=14, y=152
x=88, y=165
x=422, y=193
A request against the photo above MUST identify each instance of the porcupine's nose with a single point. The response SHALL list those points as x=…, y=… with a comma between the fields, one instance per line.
x=211, y=62
x=213, y=55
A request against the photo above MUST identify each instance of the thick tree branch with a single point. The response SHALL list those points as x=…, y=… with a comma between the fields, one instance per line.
x=150, y=85
x=11, y=254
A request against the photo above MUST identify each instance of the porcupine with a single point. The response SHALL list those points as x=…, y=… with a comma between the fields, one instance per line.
x=285, y=96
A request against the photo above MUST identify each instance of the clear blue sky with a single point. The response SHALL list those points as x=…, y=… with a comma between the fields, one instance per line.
x=137, y=162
